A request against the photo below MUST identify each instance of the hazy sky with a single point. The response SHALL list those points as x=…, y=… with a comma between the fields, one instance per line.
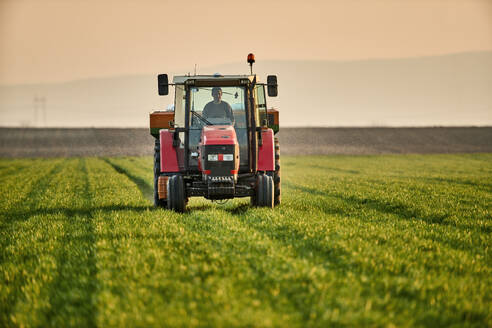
x=58, y=40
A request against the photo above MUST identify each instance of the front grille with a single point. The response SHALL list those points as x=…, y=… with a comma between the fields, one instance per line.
x=219, y=179
x=219, y=168
x=220, y=188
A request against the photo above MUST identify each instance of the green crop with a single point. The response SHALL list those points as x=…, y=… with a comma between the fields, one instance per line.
x=399, y=240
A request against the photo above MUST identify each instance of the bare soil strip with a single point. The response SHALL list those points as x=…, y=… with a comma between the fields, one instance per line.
x=59, y=142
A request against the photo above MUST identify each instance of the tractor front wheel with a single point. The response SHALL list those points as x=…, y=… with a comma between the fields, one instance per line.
x=176, y=194
x=264, y=191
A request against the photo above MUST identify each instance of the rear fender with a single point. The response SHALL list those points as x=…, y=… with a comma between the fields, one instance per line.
x=266, y=152
x=169, y=158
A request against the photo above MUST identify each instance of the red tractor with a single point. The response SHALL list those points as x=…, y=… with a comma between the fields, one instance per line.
x=218, y=141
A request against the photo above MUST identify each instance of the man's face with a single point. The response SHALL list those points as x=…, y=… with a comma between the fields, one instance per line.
x=217, y=94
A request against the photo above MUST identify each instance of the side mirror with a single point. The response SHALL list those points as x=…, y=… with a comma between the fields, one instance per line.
x=272, y=85
x=163, y=84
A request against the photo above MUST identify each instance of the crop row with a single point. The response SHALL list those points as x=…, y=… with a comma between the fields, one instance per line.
x=364, y=240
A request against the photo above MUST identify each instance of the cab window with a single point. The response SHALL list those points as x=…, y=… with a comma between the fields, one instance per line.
x=179, y=107
x=200, y=97
x=260, y=104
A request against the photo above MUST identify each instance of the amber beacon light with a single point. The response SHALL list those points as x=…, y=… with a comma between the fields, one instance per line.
x=251, y=60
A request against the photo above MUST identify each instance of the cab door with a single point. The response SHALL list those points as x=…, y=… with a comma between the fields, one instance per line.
x=260, y=104
x=180, y=123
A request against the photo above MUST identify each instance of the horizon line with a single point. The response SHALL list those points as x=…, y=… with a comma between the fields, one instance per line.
x=374, y=59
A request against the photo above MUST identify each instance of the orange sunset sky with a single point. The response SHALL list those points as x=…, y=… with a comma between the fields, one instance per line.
x=59, y=40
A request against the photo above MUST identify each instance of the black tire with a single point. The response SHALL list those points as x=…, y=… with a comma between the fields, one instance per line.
x=276, y=175
x=259, y=190
x=253, y=200
x=157, y=172
x=264, y=191
x=176, y=194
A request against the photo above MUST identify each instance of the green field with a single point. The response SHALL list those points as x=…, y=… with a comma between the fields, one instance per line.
x=400, y=240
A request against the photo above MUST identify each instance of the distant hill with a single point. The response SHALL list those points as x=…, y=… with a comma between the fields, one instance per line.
x=428, y=91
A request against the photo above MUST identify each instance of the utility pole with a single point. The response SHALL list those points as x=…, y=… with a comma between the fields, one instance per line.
x=43, y=109
x=40, y=114
x=36, y=108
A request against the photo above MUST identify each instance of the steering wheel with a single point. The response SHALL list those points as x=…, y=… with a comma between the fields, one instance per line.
x=201, y=118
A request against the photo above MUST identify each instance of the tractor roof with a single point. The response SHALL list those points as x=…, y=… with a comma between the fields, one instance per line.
x=180, y=79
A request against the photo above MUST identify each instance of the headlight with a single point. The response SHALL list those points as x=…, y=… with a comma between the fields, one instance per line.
x=228, y=157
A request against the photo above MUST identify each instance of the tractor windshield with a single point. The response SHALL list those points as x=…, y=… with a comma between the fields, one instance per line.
x=217, y=106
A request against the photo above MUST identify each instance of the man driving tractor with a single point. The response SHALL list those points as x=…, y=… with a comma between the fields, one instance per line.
x=218, y=108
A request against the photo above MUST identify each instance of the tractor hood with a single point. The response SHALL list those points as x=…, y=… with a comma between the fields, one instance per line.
x=219, y=135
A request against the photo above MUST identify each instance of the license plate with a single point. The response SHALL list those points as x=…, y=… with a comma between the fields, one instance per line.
x=220, y=157
x=228, y=157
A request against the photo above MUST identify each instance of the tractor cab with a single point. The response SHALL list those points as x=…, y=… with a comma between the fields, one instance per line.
x=217, y=141
x=193, y=100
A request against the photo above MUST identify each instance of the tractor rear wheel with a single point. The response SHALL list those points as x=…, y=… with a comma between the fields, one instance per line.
x=157, y=171
x=176, y=194
x=264, y=191
x=276, y=175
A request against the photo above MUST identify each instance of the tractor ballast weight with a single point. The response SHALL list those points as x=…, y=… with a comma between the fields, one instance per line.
x=199, y=151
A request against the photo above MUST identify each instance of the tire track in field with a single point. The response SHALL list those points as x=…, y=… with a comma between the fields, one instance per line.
x=10, y=234
x=74, y=283
x=329, y=259
x=141, y=184
x=14, y=170
x=37, y=181
x=121, y=218
x=68, y=240
x=139, y=162
x=396, y=208
x=325, y=259
x=72, y=291
x=277, y=267
x=354, y=205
